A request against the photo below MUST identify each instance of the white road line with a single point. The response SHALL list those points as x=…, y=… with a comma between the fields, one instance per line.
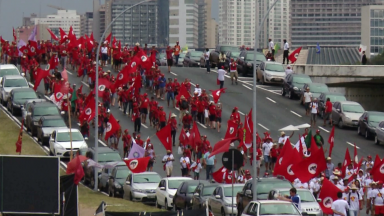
x=263, y=126
x=267, y=90
x=85, y=83
x=247, y=87
x=173, y=74
x=324, y=129
x=295, y=113
x=69, y=72
x=193, y=84
x=201, y=125
x=271, y=100
x=351, y=144
x=177, y=108
x=211, y=95
x=246, y=78
x=144, y=125
x=241, y=113
x=247, y=82
x=103, y=143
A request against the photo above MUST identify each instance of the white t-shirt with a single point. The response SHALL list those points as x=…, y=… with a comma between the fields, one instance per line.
x=340, y=205
x=267, y=148
x=168, y=163
x=240, y=178
x=307, y=97
x=349, y=172
x=184, y=161
x=104, y=50
x=207, y=55
x=302, y=185
x=283, y=139
x=271, y=45
x=286, y=46
x=353, y=199
x=198, y=91
x=288, y=71
x=198, y=167
x=221, y=74
x=370, y=194
x=378, y=195
x=314, y=107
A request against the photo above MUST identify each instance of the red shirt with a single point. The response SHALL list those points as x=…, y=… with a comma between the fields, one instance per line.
x=218, y=113
x=193, y=105
x=64, y=106
x=169, y=87
x=126, y=139
x=169, y=53
x=176, y=86
x=274, y=152
x=329, y=106
x=200, y=106
x=135, y=114
x=187, y=119
x=236, y=116
x=162, y=116
x=233, y=66
x=140, y=142
x=212, y=110
x=144, y=103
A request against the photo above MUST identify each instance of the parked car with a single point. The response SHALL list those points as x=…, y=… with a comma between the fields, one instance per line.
x=9, y=69
x=184, y=193
x=379, y=133
x=315, y=88
x=181, y=60
x=117, y=179
x=141, y=186
x=10, y=82
x=293, y=83
x=161, y=59
x=167, y=190
x=223, y=201
x=309, y=203
x=36, y=111
x=27, y=104
x=272, y=207
x=201, y=194
x=346, y=113
x=270, y=72
x=232, y=54
x=368, y=123
x=60, y=142
x=192, y=59
x=214, y=55
x=245, y=62
x=48, y=124
x=105, y=174
x=17, y=98
x=264, y=185
x=333, y=97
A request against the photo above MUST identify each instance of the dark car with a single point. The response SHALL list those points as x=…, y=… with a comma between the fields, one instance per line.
x=368, y=123
x=161, y=59
x=183, y=195
x=264, y=185
x=17, y=98
x=232, y=54
x=315, y=88
x=27, y=104
x=47, y=125
x=36, y=111
x=200, y=195
x=104, y=155
x=333, y=97
x=293, y=83
x=192, y=59
x=245, y=62
x=214, y=55
x=117, y=179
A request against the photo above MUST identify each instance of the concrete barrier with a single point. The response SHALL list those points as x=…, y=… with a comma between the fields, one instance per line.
x=349, y=71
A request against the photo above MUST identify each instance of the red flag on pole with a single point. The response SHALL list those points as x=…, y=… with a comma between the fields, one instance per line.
x=232, y=128
x=138, y=165
x=311, y=166
x=217, y=93
x=221, y=146
x=79, y=173
x=165, y=137
x=53, y=36
x=112, y=127
x=346, y=162
x=328, y=194
x=331, y=140
x=41, y=74
x=294, y=55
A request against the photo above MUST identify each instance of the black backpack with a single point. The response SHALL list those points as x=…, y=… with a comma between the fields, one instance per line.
x=184, y=104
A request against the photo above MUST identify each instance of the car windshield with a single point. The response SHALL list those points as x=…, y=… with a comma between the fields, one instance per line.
x=24, y=95
x=228, y=191
x=196, y=54
x=266, y=186
x=16, y=83
x=275, y=67
x=174, y=184
x=235, y=55
x=147, y=178
x=106, y=157
x=228, y=48
x=318, y=88
x=162, y=55
x=207, y=191
x=334, y=98
x=301, y=80
x=278, y=209
x=122, y=173
x=191, y=188
x=54, y=123
x=182, y=55
x=376, y=119
x=65, y=136
x=46, y=111
x=305, y=196
x=353, y=108
x=9, y=71
x=259, y=57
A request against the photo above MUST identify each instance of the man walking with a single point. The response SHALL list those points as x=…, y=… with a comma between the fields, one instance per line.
x=286, y=51
x=307, y=97
x=209, y=162
x=340, y=206
x=233, y=70
x=314, y=110
x=271, y=47
x=177, y=52
x=328, y=112
x=169, y=52
x=207, y=63
x=221, y=76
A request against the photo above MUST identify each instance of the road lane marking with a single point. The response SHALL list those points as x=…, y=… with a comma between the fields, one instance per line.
x=201, y=125
x=84, y=83
x=324, y=129
x=246, y=78
x=248, y=87
x=267, y=90
x=103, y=143
x=193, y=84
x=241, y=113
x=69, y=72
x=173, y=74
x=296, y=114
x=351, y=144
x=263, y=126
x=144, y=125
x=271, y=100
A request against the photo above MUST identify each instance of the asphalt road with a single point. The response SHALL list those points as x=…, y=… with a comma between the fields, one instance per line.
x=273, y=112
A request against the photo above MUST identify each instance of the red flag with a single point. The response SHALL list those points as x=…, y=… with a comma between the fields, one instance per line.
x=41, y=74
x=232, y=128
x=196, y=134
x=103, y=84
x=311, y=166
x=108, y=39
x=53, y=36
x=355, y=157
x=183, y=92
x=346, y=162
x=218, y=175
x=165, y=137
x=375, y=164
x=32, y=48
x=145, y=62
x=183, y=138
x=331, y=140
x=88, y=112
x=53, y=62
x=79, y=173
x=217, y=93
x=19, y=142
x=328, y=194
x=122, y=77
x=112, y=127
x=293, y=56
x=14, y=35
x=60, y=89
x=137, y=165
x=313, y=145
x=221, y=146
x=248, y=126
x=378, y=174
x=287, y=149
x=70, y=33
x=285, y=168
x=63, y=35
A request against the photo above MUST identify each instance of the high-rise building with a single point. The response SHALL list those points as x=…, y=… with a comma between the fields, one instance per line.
x=139, y=24
x=63, y=19
x=262, y=8
x=86, y=23
x=327, y=22
x=372, y=31
x=278, y=23
x=206, y=24
x=237, y=22
x=163, y=23
x=183, y=23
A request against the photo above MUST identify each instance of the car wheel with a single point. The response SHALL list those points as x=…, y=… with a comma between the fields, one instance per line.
x=157, y=204
x=290, y=95
x=222, y=212
x=92, y=182
x=12, y=110
x=34, y=133
x=377, y=142
x=367, y=135
x=109, y=192
x=282, y=92
x=130, y=196
x=358, y=130
x=166, y=205
x=340, y=123
x=262, y=81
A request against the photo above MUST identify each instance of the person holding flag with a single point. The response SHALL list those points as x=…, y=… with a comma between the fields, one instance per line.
x=196, y=167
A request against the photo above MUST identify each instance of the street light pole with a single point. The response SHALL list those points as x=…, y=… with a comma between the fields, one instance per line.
x=258, y=30
x=97, y=84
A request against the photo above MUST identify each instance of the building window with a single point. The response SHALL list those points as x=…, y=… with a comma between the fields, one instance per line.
x=173, y=22
x=173, y=30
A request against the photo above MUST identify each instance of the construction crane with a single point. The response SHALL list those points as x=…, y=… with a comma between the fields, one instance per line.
x=56, y=7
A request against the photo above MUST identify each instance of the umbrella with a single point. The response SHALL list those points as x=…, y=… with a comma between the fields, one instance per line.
x=289, y=128
x=72, y=165
x=303, y=126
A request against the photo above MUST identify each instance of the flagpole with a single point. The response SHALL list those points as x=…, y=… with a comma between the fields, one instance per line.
x=70, y=127
x=233, y=181
x=97, y=84
x=258, y=30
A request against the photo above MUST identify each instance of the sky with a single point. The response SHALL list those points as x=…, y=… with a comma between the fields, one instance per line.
x=11, y=11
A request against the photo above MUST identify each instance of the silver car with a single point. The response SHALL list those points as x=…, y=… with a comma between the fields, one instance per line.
x=308, y=202
x=270, y=72
x=9, y=69
x=60, y=142
x=271, y=207
x=220, y=202
x=10, y=82
x=141, y=186
x=346, y=113
x=47, y=124
x=379, y=137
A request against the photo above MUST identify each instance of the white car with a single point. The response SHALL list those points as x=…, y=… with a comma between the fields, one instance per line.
x=60, y=145
x=167, y=189
x=270, y=72
x=10, y=82
x=9, y=69
x=271, y=207
x=141, y=187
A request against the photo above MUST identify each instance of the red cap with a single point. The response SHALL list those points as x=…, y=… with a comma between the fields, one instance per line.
x=126, y=130
x=209, y=147
x=175, y=79
x=236, y=108
x=379, y=182
x=369, y=156
x=222, y=67
x=145, y=94
x=247, y=172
